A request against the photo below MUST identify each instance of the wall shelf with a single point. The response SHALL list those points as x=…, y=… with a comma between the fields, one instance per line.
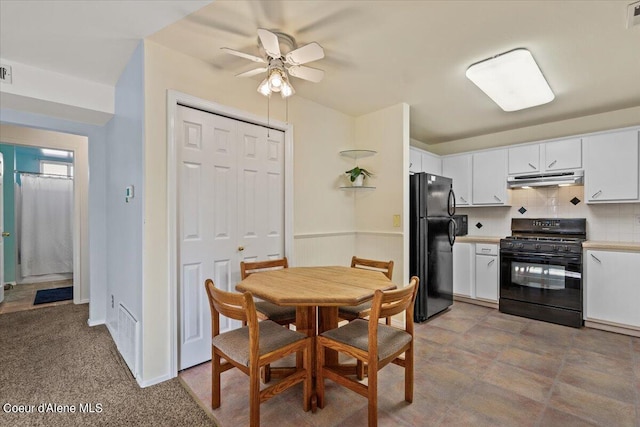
x=358, y=154
x=352, y=187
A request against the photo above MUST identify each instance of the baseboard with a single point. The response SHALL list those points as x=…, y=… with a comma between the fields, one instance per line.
x=92, y=322
x=470, y=300
x=613, y=327
x=153, y=381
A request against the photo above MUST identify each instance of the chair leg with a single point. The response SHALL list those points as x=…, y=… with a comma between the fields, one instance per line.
x=372, y=388
x=215, y=380
x=408, y=374
x=359, y=369
x=254, y=396
x=388, y=320
x=319, y=375
x=306, y=394
x=266, y=373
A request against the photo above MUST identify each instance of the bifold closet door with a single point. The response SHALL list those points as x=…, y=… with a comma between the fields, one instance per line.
x=231, y=208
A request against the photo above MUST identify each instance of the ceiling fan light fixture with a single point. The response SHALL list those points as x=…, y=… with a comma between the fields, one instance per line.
x=287, y=90
x=263, y=88
x=275, y=80
x=512, y=80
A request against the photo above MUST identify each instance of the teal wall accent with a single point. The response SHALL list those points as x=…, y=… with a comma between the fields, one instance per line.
x=25, y=159
x=8, y=151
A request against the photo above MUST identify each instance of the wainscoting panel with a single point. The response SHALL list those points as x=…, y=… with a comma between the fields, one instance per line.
x=383, y=247
x=323, y=249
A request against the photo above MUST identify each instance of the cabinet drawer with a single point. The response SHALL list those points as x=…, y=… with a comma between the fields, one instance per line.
x=486, y=249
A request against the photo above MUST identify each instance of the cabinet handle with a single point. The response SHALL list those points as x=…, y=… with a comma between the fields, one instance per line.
x=532, y=166
x=596, y=258
x=486, y=250
x=491, y=262
x=463, y=199
x=552, y=163
x=596, y=194
x=497, y=198
x=410, y=164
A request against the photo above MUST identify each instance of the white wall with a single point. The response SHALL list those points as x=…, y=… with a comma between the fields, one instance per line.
x=124, y=159
x=319, y=206
x=96, y=252
x=387, y=132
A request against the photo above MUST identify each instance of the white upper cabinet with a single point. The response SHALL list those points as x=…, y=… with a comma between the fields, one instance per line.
x=422, y=161
x=431, y=163
x=524, y=159
x=611, y=167
x=458, y=168
x=561, y=155
x=415, y=160
x=489, y=178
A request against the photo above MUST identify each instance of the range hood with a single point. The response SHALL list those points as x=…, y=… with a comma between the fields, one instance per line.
x=546, y=179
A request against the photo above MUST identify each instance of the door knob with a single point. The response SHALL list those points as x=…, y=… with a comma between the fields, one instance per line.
x=6, y=234
x=241, y=248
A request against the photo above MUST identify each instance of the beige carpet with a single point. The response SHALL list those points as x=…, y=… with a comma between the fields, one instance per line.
x=51, y=356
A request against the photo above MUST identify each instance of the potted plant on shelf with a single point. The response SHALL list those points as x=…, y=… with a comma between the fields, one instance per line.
x=357, y=176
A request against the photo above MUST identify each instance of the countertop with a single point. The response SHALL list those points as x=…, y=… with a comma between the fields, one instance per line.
x=479, y=239
x=619, y=246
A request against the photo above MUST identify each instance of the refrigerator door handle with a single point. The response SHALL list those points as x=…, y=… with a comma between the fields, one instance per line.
x=452, y=231
x=451, y=205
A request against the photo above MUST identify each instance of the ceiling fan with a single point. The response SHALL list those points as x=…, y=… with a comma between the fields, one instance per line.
x=280, y=66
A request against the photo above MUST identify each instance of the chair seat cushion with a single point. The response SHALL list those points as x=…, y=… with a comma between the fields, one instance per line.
x=356, y=334
x=275, y=312
x=272, y=336
x=354, y=310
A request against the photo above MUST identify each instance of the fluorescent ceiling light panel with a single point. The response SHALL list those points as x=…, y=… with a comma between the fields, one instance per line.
x=512, y=80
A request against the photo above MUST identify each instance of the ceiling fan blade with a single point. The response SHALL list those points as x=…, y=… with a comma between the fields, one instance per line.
x=306, y=73
x=307, y=53
x=252, y=73
x=243, y=55
x=269, y=42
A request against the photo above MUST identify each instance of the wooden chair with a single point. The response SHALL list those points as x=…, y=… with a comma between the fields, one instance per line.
x=253, y=346
x=373, y=343
x=268, y=310
x=354, y=312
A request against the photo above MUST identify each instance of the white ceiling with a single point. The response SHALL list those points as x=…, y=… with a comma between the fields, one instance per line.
x=378, y=53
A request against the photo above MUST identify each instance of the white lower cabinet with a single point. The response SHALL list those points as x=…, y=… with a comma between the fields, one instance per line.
x=475, y=271
x=487, y=272
x=462, y=269
x=612, y=287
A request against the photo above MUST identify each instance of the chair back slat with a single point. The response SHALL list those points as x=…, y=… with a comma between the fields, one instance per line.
x=396, y=301
x=248, y=268
x=232, y=305
x=385, y=267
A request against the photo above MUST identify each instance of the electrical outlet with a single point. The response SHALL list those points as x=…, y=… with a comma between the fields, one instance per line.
x=638, y=219
x=396, y=220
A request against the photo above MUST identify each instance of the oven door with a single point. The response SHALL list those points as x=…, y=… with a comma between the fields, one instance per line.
x=547, y=279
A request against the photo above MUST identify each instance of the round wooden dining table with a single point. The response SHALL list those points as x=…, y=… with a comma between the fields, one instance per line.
x=316, y=292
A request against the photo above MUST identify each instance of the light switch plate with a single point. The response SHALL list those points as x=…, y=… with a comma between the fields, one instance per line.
x=396, y=220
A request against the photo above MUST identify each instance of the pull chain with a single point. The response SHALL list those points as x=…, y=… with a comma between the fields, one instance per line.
x=287, y=113
x=268, y=118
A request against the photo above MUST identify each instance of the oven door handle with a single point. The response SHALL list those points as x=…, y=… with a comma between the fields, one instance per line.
x=518, y=256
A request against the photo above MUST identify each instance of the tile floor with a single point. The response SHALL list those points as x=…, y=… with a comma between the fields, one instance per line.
x=20, y=297
x=474, y=366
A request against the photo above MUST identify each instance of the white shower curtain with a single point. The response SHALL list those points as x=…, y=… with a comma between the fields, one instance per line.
x=46, y=219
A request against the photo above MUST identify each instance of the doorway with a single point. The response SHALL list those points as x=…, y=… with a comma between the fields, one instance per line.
x=25, y=137
x=199, y=330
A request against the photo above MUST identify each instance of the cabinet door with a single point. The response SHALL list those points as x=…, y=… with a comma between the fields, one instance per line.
x=462, y=271
x=487, y=277
x=415, y=160
x=525, y=159
x=458, y=168
x=431, y=163
x=560, y=155
x=611, y=166
x=490, y=178
x=612, y=291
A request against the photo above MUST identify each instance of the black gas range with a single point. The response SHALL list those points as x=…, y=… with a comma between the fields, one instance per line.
x=541, y=269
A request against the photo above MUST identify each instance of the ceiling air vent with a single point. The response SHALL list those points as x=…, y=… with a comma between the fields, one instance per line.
x=633, y=15
x=5, y=74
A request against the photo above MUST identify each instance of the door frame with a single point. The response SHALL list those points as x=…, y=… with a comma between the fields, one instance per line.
x=175, y=98
x=79, y=145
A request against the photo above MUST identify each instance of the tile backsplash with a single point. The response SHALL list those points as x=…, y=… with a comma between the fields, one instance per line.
x=613, y=222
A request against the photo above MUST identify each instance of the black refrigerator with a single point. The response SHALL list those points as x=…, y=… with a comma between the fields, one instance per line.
x=432, y=232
